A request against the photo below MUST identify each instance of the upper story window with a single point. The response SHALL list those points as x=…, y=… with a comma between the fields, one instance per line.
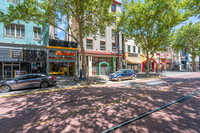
x=37, y=33
x=102, y=32
x=113, y=34
x=139, y=50
x=89, y=44
x=129, y=48
x=102, y=46
x=133, y=49
x=113, y=47
x=113, y=8
x=14, y=1
x=15, y=31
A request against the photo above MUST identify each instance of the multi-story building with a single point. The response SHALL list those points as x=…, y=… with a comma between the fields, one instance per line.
x=22, y=46
x=101, y=52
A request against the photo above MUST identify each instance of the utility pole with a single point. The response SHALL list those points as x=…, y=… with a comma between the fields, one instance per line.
x=118, y=62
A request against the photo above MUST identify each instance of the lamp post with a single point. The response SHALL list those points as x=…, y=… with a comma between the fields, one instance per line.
x=118, y=62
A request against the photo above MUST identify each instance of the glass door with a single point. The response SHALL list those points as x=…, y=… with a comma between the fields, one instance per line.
x=7, y=72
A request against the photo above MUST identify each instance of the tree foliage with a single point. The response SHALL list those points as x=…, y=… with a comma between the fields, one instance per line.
x=150, y=23
x=188, y=37
x=90, y=16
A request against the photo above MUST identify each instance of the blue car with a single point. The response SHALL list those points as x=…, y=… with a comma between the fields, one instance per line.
x=123, y=74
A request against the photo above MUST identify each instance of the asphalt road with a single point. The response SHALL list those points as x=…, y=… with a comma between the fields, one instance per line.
x=99, y=108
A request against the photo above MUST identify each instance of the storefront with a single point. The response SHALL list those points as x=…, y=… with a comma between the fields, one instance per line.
x=15, y=61
x=134, y=63
x=100, y=62
x=62, y=61
x=152, y=65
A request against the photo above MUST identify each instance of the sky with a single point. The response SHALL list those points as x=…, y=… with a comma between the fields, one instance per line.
x=61, y=34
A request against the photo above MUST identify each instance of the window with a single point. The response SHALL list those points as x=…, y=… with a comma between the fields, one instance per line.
x=14, y=1
x=133, y=49
x=102, y=32
x=129, y=48
x=89, y=44
x=102, y=46
x=37, y=33
x=114, y=20
x=113, y=47
x=139, y=50
x=15, y=31
x=113, y=33
x=113, y=8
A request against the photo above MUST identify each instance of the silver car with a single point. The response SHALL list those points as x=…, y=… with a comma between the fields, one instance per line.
x=27, y=81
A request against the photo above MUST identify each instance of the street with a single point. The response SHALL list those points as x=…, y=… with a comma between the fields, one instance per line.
x=98, y=108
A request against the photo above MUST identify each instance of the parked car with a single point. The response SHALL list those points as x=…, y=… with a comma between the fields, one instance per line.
x=123, y=74
x=27, y=81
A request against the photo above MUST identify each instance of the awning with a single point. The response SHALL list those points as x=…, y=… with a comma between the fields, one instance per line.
x=129, y=61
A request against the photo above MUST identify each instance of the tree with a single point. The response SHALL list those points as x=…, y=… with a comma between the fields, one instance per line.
x=89, y=16
x=193, y=6
x=188, y=37
x=150, y=23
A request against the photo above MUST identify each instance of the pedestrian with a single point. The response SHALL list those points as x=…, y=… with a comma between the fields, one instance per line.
x=81, y=73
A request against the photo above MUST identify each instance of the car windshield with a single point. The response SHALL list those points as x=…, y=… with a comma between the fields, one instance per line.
x=119, y=72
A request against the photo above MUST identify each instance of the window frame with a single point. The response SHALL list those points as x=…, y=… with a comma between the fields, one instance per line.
x=16, y=26
x=113, y=5
x=112, y=46
x=87, y=44
x=37, y=28
x=129, y=49
x=104, y=45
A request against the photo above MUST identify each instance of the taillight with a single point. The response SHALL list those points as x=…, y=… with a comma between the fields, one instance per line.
x=54, y=77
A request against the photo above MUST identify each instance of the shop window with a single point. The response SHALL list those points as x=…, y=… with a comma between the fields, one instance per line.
x=113, y=8
x=89, y=44
x=129, y=48
x=113, y=47
x=15, y=31
x=102, y=46
x=37, y=33
x=133, y=49
x=15, y=1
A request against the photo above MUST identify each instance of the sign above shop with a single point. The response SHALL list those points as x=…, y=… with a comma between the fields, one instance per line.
x=16, y=53
x=65, y=53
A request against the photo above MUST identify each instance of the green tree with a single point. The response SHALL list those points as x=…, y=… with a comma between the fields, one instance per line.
x=88, y=15
x=150, y=23
x=193, y=6
x=188, y=37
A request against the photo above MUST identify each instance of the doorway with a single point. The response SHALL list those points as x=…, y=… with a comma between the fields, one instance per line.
x=9, y=69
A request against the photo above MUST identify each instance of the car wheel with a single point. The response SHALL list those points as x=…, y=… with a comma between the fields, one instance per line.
x=119, y=79
x=133, y=77
x=44, y=84
x=5, y=88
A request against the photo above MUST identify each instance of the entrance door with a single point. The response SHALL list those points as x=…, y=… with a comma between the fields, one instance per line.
x=7, y=72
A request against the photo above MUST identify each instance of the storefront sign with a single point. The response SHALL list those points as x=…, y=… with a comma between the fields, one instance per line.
x=65, y=53
x=16, y=53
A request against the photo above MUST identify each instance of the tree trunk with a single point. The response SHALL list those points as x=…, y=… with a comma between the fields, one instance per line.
x=147, y=63
x=193, y=62
x=84, y=64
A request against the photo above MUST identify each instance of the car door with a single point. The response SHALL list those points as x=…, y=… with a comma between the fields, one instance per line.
x=130, y=73
x=124, y=74
x=34, y=81
x=21, y=82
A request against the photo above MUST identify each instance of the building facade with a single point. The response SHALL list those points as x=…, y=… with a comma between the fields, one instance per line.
x=22, y=46
x=102, y=52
